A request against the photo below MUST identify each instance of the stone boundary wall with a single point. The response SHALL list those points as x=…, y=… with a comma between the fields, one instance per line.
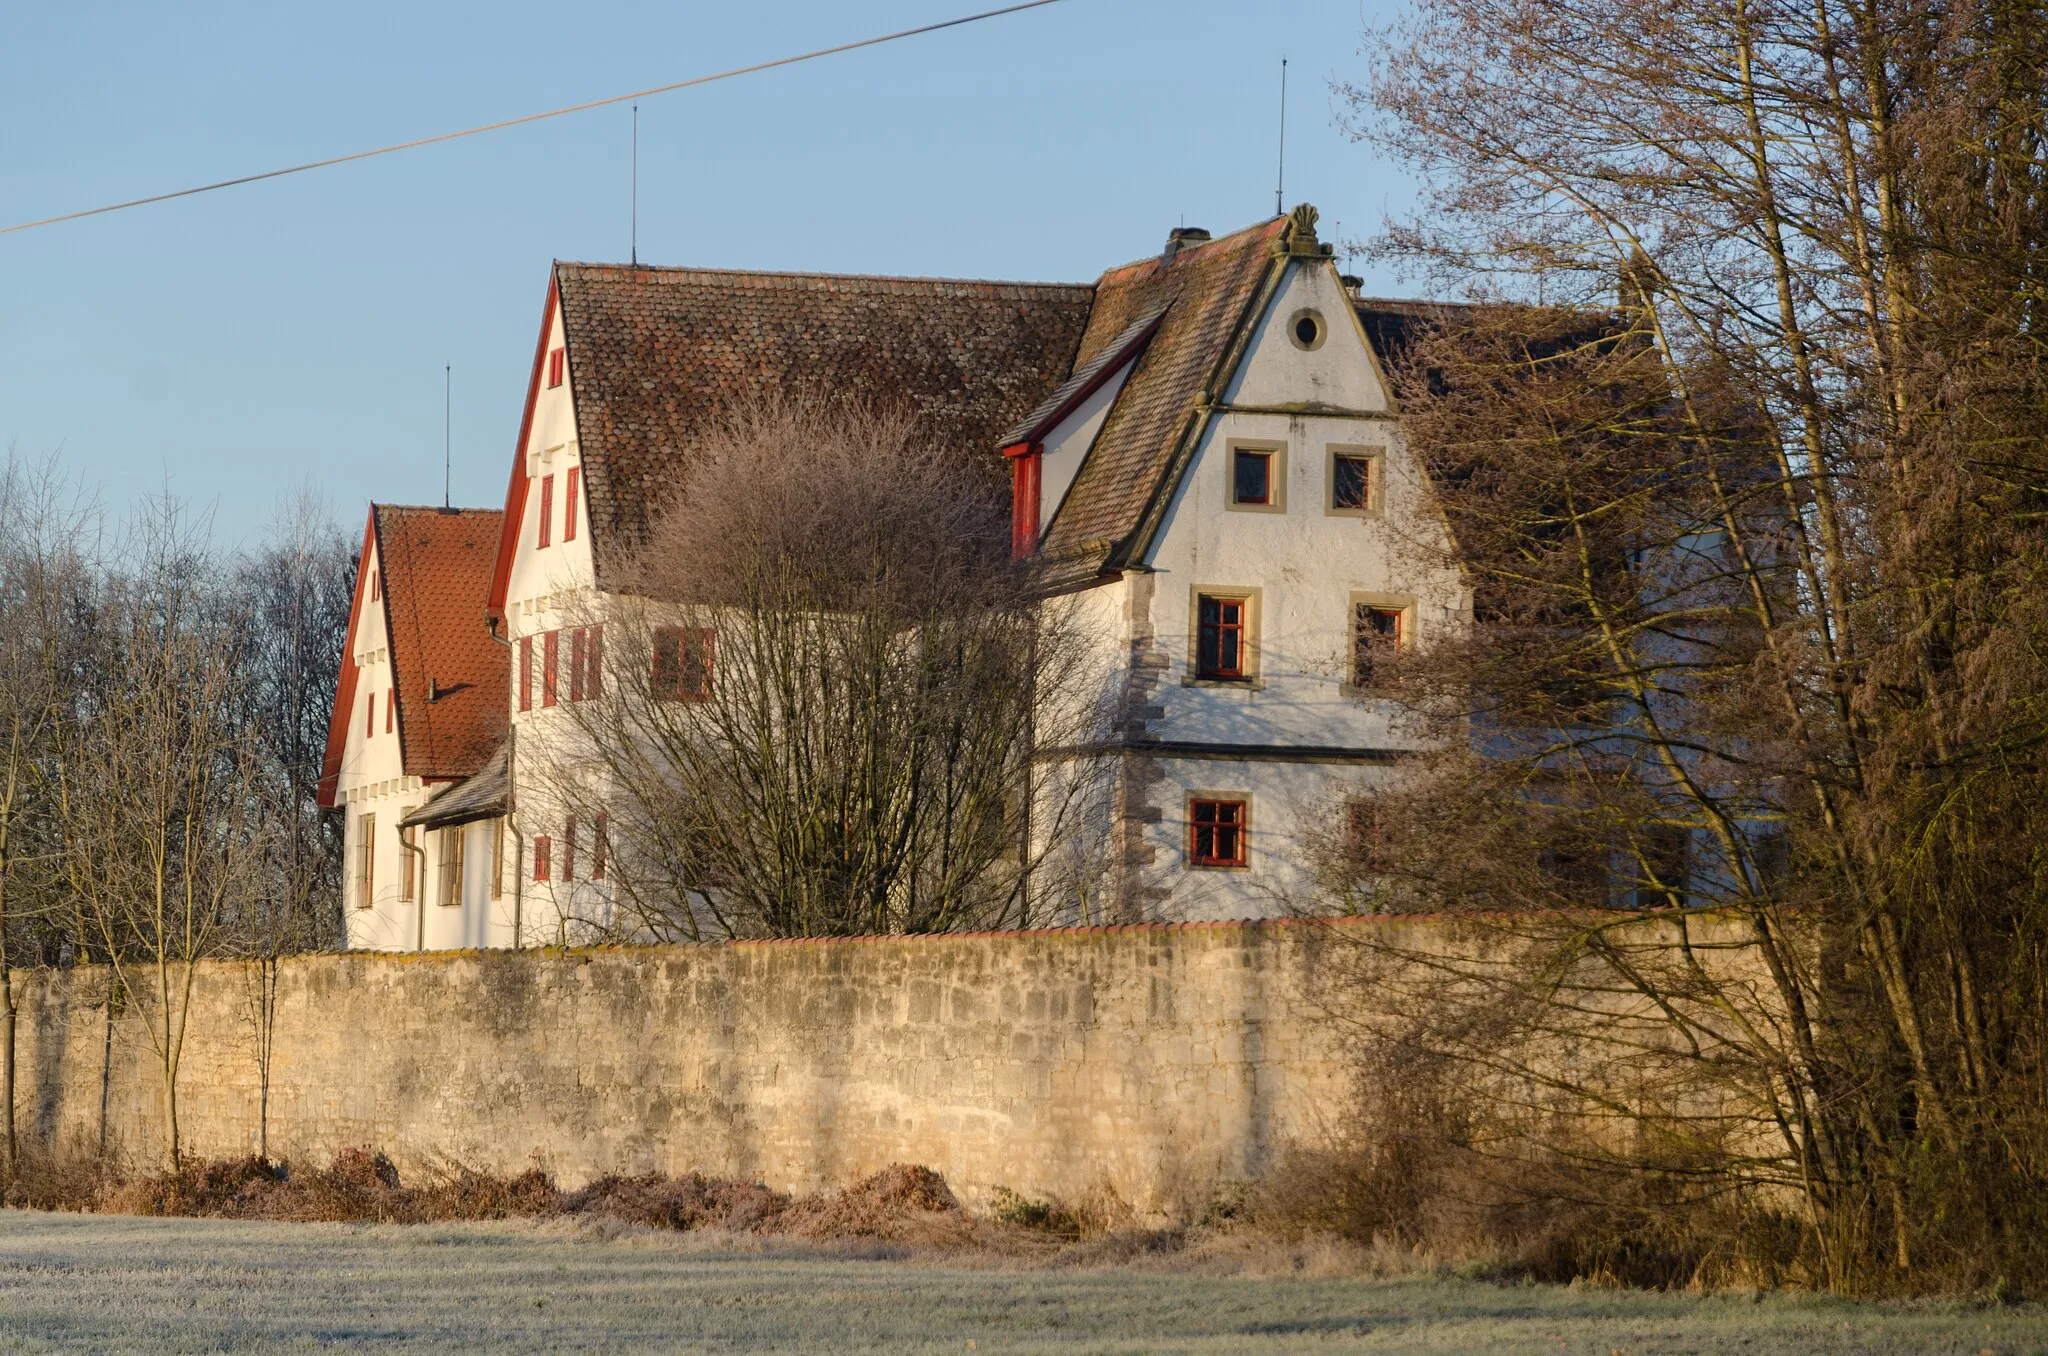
x=1154, y=1061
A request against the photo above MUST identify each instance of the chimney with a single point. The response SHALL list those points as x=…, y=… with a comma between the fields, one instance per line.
x=1352, y=284
x=1180, y=238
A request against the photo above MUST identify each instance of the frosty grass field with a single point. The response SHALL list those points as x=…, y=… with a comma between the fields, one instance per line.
x=117, y=1284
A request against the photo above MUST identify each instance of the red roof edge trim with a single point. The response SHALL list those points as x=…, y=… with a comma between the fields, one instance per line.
x=515, y=489
x=343, y=717
x=1020, y=449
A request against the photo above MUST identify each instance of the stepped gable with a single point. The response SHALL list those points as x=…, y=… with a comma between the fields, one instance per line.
x=453, y=678
x=1209, y=293
x=656, y=354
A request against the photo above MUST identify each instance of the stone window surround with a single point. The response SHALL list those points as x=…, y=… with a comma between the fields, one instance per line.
x=1276, y=485
x=1244, y=828
x=1376, y=479
x=1255, y=609
x=1404, y=603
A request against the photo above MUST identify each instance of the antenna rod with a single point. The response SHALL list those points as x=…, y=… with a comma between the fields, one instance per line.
x=1280, y=184
x=447, y=425
x=636, y=184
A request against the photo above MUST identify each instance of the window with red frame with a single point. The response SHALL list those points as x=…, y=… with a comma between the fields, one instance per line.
x=569, y=850
x=550, y=660
x=543, y=849
x=600, y=846
x=1219, y=643
x=370, y=715
x=374, y=586
x=683, y=661
x=1363, y=836
x=593, y=665
x=390, y=708
x=570, y=486
x=1375, y=635
x=1217, y=832
x=579, y=644
x=543, y=532
x=557, y=360
x=526, y=673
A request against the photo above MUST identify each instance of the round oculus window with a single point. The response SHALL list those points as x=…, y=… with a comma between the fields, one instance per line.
x=1306, y=329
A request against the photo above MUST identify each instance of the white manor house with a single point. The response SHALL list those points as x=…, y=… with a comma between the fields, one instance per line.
x=1206, y=460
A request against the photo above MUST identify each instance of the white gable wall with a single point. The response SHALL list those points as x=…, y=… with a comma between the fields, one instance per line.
x=372, y=783
x=1303, y=567
x=549, y=588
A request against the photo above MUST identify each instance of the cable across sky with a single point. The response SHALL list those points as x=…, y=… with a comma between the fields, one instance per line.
x=531, y=117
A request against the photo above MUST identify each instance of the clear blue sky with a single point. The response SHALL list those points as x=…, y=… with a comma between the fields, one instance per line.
x=247, y=341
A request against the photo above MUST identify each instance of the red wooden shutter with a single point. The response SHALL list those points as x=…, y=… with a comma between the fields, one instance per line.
x=555, y=365
x=569, y=849
x=390, y=707
x=569, y=503
x=600, y=849
x=593, y=679
x=547, y=511
x=541, y=844
x=579, y=648
x=550, y=655
x=526, y=673
x=370, y=716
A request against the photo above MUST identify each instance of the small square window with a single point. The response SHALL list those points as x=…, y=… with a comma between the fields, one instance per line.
x=1219, y=645
x=1350, y=483
x=1251, y=477
x=557, y=360
x=1375, y=634
x=1217, y=830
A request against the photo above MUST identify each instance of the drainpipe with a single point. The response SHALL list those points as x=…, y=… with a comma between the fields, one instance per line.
x=419, y=892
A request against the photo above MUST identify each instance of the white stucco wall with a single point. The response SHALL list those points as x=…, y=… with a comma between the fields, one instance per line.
x=1304, y=567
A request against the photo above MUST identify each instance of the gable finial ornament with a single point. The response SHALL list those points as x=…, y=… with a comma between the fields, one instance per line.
x=1300, y=236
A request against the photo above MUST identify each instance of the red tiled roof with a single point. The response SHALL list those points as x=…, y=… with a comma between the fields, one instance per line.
x=656, y=354
x=453, y=678
x=1211, y=292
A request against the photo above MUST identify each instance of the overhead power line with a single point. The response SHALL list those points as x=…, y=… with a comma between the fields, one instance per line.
x=534, y=117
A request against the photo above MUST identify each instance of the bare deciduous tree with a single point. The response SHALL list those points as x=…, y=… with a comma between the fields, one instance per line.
x=1759, y=578
x=164, y=843
x=825, y=679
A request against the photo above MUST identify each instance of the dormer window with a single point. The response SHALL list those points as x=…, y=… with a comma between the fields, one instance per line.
x=557, y=360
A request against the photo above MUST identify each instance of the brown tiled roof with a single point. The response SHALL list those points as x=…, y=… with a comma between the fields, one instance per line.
x=452, y=676
x=656, y=354
x=1210, y=292
x=1087, y=378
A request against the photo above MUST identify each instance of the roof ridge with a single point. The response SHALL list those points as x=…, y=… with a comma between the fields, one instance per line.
x=1242, y=236
x=799, y=275
x=444, y=512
